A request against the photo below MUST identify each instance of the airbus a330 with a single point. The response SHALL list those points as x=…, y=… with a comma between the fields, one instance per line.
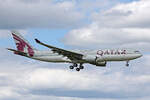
x=76, y=57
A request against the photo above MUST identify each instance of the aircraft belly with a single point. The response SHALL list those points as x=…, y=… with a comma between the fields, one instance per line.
x=53, y=59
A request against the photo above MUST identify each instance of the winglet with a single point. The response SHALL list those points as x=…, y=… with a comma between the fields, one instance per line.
x=37, y=41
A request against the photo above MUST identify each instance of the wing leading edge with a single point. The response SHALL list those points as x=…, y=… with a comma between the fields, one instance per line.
x=71, y=55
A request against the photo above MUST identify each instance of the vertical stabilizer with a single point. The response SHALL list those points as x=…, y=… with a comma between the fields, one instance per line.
x=22, y=44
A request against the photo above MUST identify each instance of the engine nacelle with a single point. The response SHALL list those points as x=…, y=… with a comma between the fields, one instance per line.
x=98, y=61
x=101, y=64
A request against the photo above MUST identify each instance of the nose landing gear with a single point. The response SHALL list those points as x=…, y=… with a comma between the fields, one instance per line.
x=127, y=64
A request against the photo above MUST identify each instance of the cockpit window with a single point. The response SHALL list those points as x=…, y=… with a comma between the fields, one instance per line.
x=136, y=51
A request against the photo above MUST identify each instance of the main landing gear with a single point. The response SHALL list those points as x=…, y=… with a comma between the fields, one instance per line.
x=78, y=68
x=127, y=64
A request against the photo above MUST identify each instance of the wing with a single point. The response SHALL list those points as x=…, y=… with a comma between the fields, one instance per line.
x=71, y=55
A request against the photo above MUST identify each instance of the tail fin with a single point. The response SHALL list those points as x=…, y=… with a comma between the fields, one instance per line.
x=22, y=44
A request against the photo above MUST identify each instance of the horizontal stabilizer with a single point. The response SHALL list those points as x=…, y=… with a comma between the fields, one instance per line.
x=18, y=52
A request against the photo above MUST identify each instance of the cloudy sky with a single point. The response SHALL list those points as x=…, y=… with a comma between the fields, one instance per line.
x=75, y=24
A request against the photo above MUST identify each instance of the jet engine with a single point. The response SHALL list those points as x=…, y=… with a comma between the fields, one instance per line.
x=98, y=61
x=101, y=64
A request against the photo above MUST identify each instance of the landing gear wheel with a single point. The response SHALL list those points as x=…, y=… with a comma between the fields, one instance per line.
x=127, y=65
x=71, y=67
x=81, y=67
x=75, y=65
x=77, y=69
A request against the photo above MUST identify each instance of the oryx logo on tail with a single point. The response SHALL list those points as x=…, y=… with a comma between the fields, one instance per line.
x=22, y=44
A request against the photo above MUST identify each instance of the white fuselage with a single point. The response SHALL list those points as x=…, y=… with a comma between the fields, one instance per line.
x=101, y=55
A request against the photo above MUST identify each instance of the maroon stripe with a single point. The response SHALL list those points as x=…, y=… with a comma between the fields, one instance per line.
x=19, y=39
x=22, y=45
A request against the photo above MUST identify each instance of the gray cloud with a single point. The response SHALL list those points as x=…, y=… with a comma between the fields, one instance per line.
x=97, y=37
x=132, y=15
x=25, y=79
x=4, y=33
x=28, y=78
x=22, y=14
x=122, y=26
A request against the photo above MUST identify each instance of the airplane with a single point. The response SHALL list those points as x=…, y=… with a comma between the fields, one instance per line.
x=76, y=57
